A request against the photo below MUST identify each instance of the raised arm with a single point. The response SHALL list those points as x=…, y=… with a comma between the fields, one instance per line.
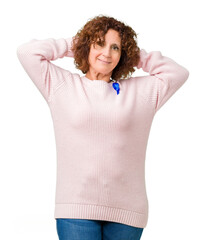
x=35, y=57
x=170, y=76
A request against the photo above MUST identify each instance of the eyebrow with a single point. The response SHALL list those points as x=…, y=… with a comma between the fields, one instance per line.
x=119, y=45
x=114, y=43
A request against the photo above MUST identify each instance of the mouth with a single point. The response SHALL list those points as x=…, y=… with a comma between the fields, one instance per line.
x=103, y=61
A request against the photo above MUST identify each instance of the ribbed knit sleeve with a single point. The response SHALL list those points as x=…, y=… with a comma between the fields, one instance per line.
x=35, y=57
x=170, y=76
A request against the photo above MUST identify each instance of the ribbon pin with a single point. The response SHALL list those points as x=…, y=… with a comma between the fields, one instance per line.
x=115, y=85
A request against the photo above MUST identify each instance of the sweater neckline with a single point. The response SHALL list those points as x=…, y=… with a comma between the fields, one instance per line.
x=98, y=82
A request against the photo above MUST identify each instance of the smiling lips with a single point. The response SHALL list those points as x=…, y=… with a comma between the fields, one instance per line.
x=103, y=61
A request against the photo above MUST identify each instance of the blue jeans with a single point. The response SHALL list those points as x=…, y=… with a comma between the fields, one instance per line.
x=84, y=229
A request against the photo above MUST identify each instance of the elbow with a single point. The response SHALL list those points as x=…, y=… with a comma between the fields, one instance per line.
x=185, y=74
x=20, y=51
x=24, y=48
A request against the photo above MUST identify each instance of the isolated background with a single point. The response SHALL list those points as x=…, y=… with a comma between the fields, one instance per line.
x=175, y=160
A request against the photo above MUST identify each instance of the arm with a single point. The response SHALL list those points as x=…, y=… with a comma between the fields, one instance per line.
x=170, y=76
x=35, y=57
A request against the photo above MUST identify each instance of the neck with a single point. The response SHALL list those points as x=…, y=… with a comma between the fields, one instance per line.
x=98, y=76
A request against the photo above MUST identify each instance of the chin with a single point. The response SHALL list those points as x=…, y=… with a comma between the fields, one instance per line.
x=104, y=71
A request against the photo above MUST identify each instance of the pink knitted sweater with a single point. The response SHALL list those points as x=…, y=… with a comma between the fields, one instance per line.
x=101, y=137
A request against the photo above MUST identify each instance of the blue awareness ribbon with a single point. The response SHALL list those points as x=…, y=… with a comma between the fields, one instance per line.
x=116, y=87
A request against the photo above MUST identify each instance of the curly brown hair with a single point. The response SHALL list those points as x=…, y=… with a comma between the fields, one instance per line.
x=95, y=29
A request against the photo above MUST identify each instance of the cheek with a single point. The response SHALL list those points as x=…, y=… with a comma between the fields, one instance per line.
x=91, y=59
x=92, y=56
x=117, y=58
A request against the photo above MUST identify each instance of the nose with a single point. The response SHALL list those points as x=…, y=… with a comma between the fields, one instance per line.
x=107, y=52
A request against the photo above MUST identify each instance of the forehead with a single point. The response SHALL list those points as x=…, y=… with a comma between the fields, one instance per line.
x=111, y=35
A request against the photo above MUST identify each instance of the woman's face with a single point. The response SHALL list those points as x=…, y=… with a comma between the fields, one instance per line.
x=104, y=57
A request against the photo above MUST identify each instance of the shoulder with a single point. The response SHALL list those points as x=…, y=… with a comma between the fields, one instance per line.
x=136, y=80
x=140, y=83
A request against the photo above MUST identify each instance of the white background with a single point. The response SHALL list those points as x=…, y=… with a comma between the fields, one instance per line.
x=175, y=160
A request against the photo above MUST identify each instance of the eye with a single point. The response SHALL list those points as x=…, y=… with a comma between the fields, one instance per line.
x=115, y=47
x=100, y=43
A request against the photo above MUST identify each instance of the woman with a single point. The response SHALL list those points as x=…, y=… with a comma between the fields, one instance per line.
x=102, y=122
